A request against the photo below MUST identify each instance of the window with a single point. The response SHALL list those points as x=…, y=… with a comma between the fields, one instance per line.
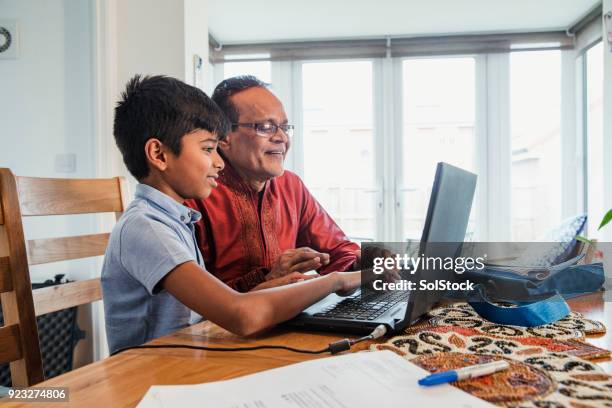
x=497, y=115
x=439, y=97
x=338, y=143
x=535, y=127
x=261, y=69
x=594, y=139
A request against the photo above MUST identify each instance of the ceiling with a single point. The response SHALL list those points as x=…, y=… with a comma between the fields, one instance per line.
x=248, y=21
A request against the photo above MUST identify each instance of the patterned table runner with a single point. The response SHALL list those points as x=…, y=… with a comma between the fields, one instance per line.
x=549, y=364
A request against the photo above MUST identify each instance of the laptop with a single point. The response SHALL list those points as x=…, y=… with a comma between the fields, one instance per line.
x=447, y=218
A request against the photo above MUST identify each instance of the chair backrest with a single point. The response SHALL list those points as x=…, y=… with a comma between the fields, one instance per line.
x=26, y=197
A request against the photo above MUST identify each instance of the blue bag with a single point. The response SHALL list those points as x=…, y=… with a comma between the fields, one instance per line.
x=536, y=301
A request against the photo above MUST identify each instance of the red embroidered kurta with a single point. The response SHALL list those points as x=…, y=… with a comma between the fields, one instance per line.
x=240, y=241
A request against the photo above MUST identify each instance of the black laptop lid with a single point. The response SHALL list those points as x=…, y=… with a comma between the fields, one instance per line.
x=450, y=205
x=447, y=218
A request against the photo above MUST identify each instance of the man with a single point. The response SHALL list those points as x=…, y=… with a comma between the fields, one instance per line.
x=261, y=227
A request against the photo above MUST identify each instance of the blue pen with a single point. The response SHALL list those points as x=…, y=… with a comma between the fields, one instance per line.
x=464, y=373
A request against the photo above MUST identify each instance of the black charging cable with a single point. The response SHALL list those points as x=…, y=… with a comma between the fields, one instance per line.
x=333, y=348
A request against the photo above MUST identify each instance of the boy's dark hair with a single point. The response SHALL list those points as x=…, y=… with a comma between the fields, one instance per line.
x=164, y=108
x=231, y=86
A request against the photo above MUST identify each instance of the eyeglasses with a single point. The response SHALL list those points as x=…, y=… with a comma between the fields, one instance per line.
x=267, y=129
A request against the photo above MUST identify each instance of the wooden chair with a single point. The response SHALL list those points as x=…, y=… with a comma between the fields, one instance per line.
x=26, y=197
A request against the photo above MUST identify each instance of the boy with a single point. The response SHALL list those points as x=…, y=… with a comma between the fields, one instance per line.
x=153, y=273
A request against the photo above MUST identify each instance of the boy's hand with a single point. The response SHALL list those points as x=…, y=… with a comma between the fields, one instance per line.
x=284, y=280
x=389, y=275
x=348, y=282
x=297, y=260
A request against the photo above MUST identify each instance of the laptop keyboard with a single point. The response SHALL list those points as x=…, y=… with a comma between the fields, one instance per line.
x=364, y=308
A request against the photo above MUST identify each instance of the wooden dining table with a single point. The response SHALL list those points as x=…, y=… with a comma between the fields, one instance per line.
x=122, y=380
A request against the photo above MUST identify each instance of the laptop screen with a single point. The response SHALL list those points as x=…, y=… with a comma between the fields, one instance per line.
x=446, y=223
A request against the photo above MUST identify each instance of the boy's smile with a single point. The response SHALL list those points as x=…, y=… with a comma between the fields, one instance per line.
x=194, y=172
x=212, y=179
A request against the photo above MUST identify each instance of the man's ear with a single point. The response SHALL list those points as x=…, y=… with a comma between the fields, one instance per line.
x=156, y=154
x=225, y=143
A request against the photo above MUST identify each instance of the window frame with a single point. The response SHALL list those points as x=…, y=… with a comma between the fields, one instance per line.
x=582, y=134
x=491, y=127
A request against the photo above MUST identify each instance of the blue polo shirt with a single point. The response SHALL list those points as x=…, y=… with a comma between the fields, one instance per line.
x=154, y=235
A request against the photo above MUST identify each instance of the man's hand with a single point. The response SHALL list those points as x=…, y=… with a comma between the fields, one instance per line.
x=297, y=260
x=357, y=264
x=292, y=277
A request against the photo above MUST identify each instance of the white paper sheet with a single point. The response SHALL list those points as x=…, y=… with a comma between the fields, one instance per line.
x=367, y=379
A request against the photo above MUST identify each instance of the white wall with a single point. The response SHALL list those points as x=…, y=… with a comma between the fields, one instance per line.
x=46, y=104
x=160, y=37
x=46, y=110
x=149, y=38
x=196, y=41
x=47, y=107
x=607, y=126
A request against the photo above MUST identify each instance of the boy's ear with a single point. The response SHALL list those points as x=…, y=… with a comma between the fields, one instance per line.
x=156, y=154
